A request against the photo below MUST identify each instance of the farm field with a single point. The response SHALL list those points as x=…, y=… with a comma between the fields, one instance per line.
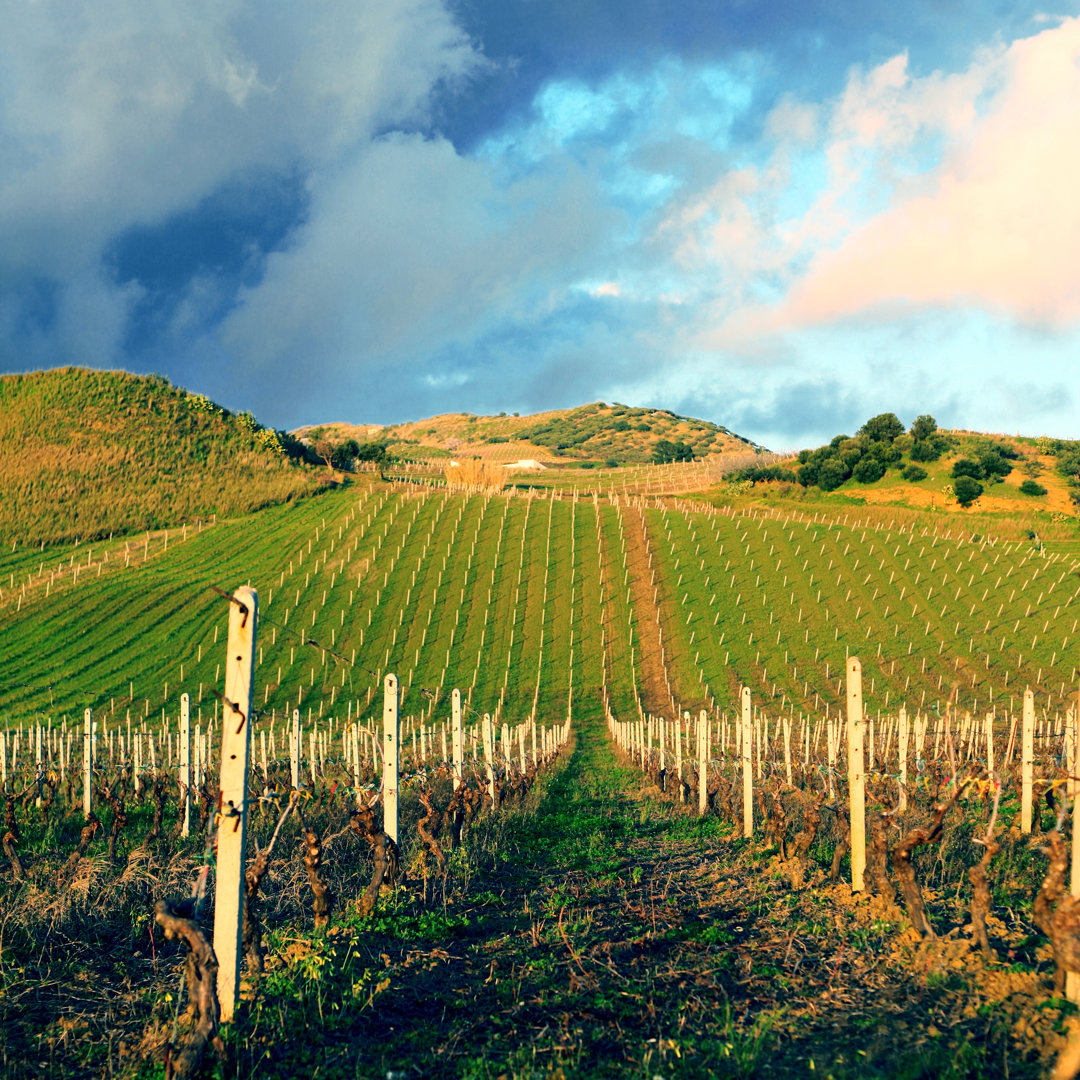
x=586, y=920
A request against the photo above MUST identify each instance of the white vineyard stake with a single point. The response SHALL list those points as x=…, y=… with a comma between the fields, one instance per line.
x=856, y=773
x=703, y=746
x=1027, y=760
x=747, y=749
x=294, y=749
x=232, y=825
x=455, y=710
x=185, y=763
x=390, y=757
x=88, y=762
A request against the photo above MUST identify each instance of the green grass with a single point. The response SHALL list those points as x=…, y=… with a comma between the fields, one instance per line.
x=89, y=454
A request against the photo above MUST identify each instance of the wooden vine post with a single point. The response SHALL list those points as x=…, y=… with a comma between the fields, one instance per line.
x=390, y=757
x=294, y=749
x=856, y=773
x=489, y=755
x=459, y=749
x=184, y=770
x=88, y=764
x=703, y=755
x=747, y=746
x=232, y=822
x=902, y=725
x=1027, y=760
x=1072, y=788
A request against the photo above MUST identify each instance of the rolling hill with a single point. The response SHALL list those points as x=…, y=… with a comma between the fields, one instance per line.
x=598, y=433
x=85, y=454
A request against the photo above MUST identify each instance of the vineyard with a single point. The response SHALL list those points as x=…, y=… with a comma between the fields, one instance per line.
x=625, y=831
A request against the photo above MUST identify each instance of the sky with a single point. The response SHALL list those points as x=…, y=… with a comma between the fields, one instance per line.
x=782, y=217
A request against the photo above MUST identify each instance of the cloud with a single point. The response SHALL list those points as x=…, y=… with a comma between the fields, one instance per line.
x=120, y=114
x=411, y=250
x=994, y=225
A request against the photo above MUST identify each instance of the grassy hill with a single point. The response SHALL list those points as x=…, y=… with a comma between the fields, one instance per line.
x=85, y=454
x=597, y=433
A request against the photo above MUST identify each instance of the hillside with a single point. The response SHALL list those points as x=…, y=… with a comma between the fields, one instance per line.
x=598, y=433
x=927, y=468
x=84, y=454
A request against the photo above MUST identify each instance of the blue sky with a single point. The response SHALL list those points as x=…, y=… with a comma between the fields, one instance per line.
x=781, y=217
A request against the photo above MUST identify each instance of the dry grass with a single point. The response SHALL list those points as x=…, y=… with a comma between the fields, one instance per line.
x=475, y=473
x=84, y=454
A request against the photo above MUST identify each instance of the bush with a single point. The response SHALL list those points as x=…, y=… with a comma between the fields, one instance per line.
x=966, y=467
x=758, y=474
x=926, y=450
x=966, y=489
x=914, y=473
x=831, y=474
x=1031, y=487
x=924, y=427
x=869, y=470
x=882, y=428
x=666, y=451
x=994, y=463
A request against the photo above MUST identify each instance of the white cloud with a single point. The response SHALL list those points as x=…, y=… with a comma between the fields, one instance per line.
x=123, y=112
x=411, y=248
x=955, y=190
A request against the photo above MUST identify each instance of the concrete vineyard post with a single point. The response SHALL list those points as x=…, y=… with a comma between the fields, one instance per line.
x=856, y=773
x=185, y=764
x=747, y=749
x=1027, y=760
x=390, y=757
x=678, y=757
x=294, y=749
x=489, y=755
x=703, y=747
x=459, y=755
x=989, y=731
x=1072, y=978
x=903, y=734
x=88, y=762
x=232, y=823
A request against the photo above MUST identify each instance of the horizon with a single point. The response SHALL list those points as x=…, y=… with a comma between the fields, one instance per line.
x=780, y=220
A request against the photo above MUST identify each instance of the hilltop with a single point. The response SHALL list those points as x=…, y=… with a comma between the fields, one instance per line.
x=927, y=468
x=84, y=454
x=598, y=433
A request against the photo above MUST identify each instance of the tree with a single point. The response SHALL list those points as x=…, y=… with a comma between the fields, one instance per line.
x=666, y=451
x=967, y=489
x=882, y=428
x=926, y=449
x=343, y=454
x=831, y=474
x=969, y=468
x=868, y=470
x=923, y=427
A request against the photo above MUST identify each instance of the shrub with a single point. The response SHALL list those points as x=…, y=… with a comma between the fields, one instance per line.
x=758, y=474
x=869, y=470
x=966, y=489
x=1031, y=487
x=924, y=427
x=831, y=474
x=966, y=467
x=914, y=473
x=666, y=451
x=882, y=428
x=926, y=450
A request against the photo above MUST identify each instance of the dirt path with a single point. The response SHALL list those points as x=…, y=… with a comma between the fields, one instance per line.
x=652, y=683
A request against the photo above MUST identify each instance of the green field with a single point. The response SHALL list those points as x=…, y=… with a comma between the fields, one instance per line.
x=590, y=924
